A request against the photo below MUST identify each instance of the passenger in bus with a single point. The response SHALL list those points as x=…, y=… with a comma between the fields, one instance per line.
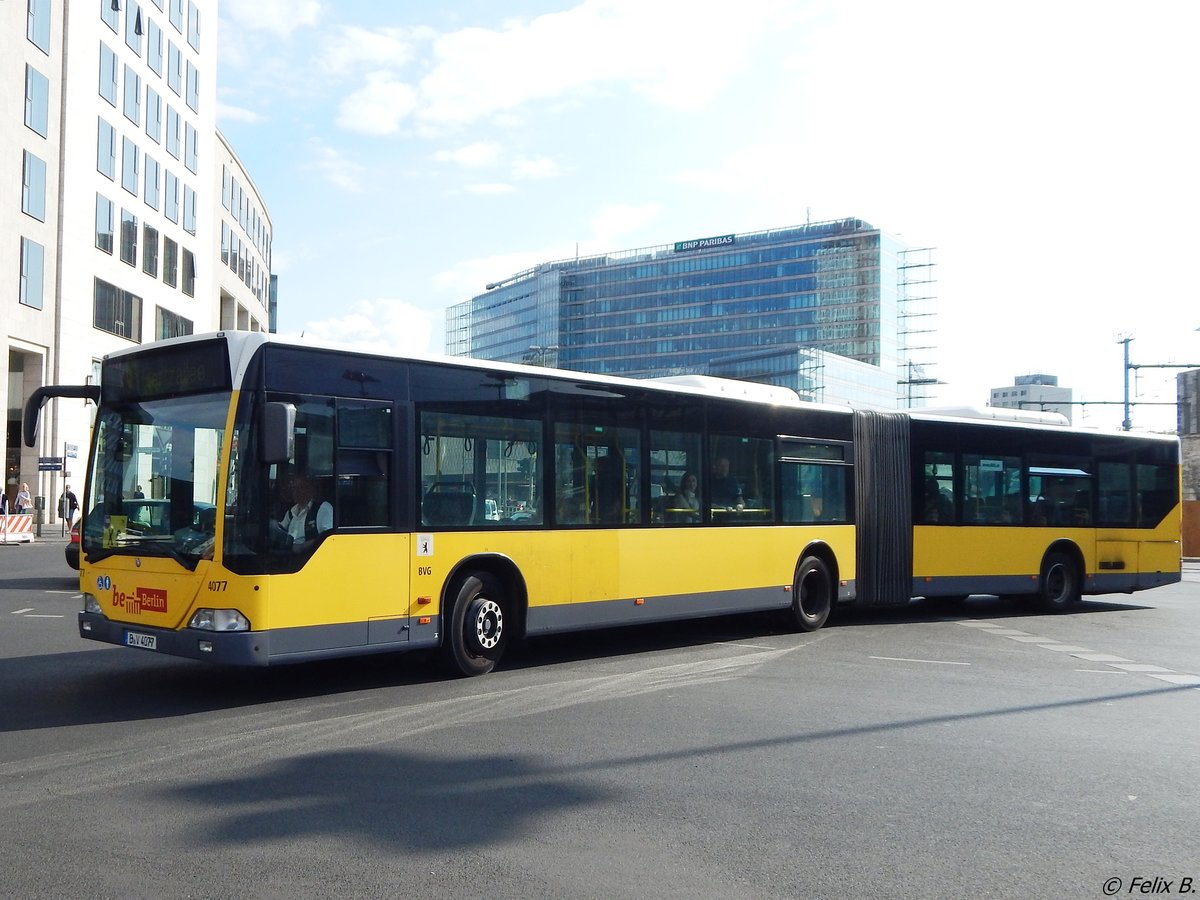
x=306, y=519
x=685, y=505
x=939, y=509
x=726, y=492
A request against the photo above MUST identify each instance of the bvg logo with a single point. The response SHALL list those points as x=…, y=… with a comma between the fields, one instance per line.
x=143, y=600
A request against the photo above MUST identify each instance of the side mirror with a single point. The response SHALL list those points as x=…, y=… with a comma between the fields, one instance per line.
x=277, y=432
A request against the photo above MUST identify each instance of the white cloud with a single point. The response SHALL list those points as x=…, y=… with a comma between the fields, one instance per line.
x=379, y=107
x=227, y=112
x=280, y=17
x=536, y=168
x=483, y=153
x=471, y=276
x=489, y=190
x=678, y=53
x=334, y=167
x=613, y=222
x=355, y=48
x=377, y=326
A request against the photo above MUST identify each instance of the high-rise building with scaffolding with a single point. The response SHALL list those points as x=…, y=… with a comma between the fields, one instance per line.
x=829, y=309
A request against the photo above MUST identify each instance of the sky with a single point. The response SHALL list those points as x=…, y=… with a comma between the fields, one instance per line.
x=409, y=153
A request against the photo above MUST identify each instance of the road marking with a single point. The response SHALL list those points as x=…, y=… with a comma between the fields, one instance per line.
x=43, y=616
x=1172, y=678
x=17, y=612
x=60, y=592
x=935, y=662
x=1068, y=648
x=1139, y=667
x=1118, y=665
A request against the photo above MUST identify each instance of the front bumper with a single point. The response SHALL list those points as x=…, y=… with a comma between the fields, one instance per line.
x=240, y=648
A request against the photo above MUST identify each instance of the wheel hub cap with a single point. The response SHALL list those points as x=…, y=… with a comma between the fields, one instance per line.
x=489, y=624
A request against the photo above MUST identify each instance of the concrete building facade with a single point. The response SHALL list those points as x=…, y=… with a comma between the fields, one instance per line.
x=115, y=220
x=1040, y=393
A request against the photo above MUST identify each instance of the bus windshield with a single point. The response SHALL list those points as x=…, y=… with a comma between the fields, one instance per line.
x=153, y=486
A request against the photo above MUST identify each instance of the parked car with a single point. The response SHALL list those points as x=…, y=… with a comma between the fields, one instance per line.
x=72, y=550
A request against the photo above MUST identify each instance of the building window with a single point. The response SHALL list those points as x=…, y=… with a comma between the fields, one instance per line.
x=129, y=165
x=153, y=115
x=189, y=210
x=108, y=74
x=169, y=324
x=154, y=51
x=173, y=130
x=33, y=257
x=224, y=242
x=189, y=273
x=150, y=250
x=193, y=87
x=190, y=150
x=176, y=15
x=110, y=14
x=37, y=24
x=151, y=192
x=116, y=311
x=174, y=68
x=33, y=187
x=225, y=187
x=37, y=101
x=170, y=262
x=129, y=237
x=106, y=150
x=133, y=26
x=193, y=26
x=133, y=96
x=171, y=198
x=104, y=223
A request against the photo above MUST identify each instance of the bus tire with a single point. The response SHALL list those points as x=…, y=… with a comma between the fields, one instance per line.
x=477, y=627
x=812, y=594
x=1059, y=584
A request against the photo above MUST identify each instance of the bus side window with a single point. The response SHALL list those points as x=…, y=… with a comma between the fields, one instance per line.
x=363, y=464
x=675, y=488
x=482, y=471
x=937, y=489
x=597, y=479
x=741, y=482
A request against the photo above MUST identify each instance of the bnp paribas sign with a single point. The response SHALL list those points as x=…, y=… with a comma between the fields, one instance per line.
x=704, y=243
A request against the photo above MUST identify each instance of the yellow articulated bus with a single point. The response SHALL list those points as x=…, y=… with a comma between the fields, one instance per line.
x=254, y=501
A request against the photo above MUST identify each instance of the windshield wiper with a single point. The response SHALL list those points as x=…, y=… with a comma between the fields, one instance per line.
x=157, y=545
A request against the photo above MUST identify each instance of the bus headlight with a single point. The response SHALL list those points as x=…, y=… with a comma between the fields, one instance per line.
x=91, y=604
x=219, y=620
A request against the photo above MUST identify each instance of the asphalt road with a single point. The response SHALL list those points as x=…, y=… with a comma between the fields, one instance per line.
x=898, y=754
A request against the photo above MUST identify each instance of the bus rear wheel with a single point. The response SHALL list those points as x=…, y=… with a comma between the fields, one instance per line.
x=1058, y=587
x=812, y=594
x=477, y=627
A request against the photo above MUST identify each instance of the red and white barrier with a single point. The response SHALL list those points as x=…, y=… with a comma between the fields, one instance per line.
x=16, y=529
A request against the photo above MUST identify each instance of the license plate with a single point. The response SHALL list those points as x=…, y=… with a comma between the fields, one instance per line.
x=145, y=641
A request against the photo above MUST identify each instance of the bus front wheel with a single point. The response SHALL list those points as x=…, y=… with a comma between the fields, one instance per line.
x=476, y=629
x=812, y=594
x=1058, y=588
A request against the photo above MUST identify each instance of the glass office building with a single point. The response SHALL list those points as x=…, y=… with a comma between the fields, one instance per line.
x=816, y=308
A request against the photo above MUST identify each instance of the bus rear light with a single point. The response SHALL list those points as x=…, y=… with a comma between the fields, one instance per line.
x=219, y=620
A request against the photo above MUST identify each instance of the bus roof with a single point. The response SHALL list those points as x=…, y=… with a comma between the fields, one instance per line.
x=244, y=344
